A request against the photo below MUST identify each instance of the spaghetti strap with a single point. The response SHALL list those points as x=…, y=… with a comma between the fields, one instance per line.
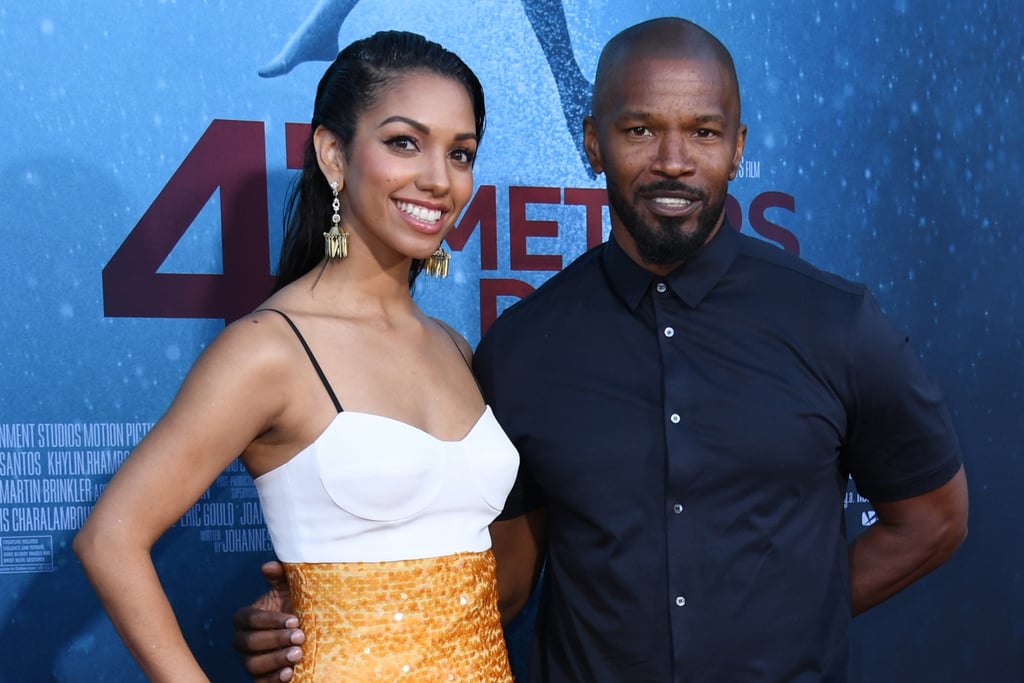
x=457, y=347
x=312, y=358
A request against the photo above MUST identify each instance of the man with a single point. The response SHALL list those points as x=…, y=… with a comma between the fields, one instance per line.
x=688, y=404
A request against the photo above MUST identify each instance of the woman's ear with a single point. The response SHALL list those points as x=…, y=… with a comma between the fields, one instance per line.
x=330, y=156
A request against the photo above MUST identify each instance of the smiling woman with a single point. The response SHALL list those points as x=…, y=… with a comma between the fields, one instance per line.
x=378, y=510
x=403, y=178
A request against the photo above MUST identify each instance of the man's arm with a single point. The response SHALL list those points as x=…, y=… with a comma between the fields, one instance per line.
x=518, y=545
x=266, y=635
x=911, y=538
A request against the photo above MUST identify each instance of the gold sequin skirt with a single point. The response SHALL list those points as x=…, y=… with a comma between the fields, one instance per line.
x=415, y=621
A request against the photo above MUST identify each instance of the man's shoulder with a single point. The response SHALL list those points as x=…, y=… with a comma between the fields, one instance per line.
x=783, y=268
x=564, y=289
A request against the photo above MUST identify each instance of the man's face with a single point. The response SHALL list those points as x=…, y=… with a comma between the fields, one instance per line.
x=666, y=134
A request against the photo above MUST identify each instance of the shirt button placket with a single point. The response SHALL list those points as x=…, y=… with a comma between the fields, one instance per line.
x=674, y=418
x=674, y=433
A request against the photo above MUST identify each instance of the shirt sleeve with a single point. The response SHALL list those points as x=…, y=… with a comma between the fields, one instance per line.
x=502, y=394
x=900, y=440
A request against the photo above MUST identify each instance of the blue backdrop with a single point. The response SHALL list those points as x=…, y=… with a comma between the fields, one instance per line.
x=148, y=146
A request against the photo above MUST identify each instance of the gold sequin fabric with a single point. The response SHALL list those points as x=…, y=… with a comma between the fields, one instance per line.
x=415, y=621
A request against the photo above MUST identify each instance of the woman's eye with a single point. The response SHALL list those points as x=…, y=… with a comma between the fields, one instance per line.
x=463, y=156
x=402, y=142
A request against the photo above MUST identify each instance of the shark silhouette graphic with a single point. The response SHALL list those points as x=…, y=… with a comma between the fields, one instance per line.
x=316, y=40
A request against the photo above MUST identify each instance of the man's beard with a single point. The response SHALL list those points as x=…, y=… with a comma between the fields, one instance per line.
x=664, y=242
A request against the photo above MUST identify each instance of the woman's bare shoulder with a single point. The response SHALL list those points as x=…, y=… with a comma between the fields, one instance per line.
x=460, y=341
x=259, y=344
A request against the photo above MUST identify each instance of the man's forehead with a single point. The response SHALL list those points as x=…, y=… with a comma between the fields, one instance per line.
x=638, y=62
x=663, y=76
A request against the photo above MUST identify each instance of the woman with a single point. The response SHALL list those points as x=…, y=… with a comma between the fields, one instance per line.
x=377, y=463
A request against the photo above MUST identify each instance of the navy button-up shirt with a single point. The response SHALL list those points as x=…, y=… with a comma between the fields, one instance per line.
x=691, y=438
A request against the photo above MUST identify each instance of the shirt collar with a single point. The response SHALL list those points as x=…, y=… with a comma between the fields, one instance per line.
x=690, y=282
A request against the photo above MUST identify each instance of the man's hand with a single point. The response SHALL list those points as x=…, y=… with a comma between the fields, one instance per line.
x=266, y=635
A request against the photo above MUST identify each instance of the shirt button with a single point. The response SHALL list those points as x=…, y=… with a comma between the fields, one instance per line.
x=680, y=600
x=675, y=418
x=661, y=287
x=669, y=332
x=677, y=508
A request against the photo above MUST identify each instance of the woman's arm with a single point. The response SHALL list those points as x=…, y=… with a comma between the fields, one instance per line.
x=222, y=406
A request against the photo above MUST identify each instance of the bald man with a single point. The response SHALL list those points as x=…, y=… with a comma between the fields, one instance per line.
x=689, y=404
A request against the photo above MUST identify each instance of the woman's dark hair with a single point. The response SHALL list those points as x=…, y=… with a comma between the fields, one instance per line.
x=351, y=85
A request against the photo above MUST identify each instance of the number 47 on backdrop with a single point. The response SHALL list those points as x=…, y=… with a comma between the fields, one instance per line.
x=231, y=156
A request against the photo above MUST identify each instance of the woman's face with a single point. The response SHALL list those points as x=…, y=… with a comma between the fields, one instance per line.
x=409, y=169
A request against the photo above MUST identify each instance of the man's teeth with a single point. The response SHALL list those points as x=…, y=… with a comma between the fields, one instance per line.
x=672, y=201
x=420, y=213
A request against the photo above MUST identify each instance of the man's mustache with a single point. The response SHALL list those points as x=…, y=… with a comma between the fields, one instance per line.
x=675, y=187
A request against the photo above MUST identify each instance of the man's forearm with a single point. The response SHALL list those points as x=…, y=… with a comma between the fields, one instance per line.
x=911, y=538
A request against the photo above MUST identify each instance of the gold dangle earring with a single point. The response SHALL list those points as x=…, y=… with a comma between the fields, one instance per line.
x=437, y=264
x=335, y=241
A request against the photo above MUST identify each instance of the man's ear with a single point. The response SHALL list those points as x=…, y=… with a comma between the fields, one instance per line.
x=591, y=146
x=330, y=156
x=741, y=141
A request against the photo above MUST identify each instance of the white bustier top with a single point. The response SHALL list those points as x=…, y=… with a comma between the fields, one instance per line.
x=373, y=489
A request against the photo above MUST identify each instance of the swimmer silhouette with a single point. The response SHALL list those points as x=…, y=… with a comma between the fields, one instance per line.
x=316, y=40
